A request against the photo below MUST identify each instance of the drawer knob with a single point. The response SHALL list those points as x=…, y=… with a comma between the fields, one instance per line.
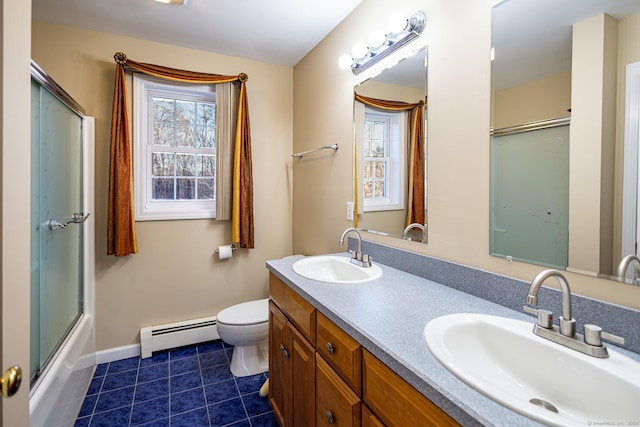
x=330, y=348
x=330, y=418
x=284, y=351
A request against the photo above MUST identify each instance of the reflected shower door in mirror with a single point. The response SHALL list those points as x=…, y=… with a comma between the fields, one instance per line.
x=555, y=61
x=390, y=151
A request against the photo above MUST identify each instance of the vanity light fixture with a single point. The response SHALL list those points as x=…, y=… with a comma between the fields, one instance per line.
x=402, y=30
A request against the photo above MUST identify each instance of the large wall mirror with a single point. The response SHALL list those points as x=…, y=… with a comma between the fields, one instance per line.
x=390, y=150
x=560, y=117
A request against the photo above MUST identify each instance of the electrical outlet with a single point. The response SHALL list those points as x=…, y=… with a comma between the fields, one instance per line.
x=350, y=211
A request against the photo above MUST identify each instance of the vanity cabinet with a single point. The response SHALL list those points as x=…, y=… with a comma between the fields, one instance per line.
x=320, y=376
x=291, y=357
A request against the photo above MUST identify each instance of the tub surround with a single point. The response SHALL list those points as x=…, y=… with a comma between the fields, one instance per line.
x=388, y=315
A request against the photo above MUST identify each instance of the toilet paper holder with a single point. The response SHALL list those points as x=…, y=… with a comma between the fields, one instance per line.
x=233, y=248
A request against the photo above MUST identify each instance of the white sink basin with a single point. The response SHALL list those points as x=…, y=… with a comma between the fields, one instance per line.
x=335, y=269
x=502, y=359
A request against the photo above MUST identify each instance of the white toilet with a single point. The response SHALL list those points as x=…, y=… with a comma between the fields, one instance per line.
x=246, y=327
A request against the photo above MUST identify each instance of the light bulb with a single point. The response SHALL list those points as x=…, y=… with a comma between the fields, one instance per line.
x=397, y=22
x=359, y=50
x=377, y=38
x=345, y=61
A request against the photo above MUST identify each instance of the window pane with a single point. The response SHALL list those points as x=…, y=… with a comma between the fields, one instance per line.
x=185, y=112
x=377, y=131
x=163, y=134
x=206, y=189
x=185, y=188
x=206, y=114
x=185, y=165
x=367, y=170
x=206, y=165
x=379, y=189
x=162, y=164
x=162, y=188
x=377, y=148
x=379, y=168
x=185, y=135
x=163, y=110
x=207, y=137
x=368, y=189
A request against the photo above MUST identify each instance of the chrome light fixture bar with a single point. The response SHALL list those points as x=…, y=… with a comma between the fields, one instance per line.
x=402, y=31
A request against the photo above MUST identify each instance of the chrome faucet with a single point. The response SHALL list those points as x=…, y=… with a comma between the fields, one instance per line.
x=621, y=272
x=590, y=343
x=567, y=323
x=357, y=257
x=410, y=227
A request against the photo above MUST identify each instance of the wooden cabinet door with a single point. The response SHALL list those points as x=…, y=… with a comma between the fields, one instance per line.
x=336, y=403
x=279, y=372
x=303, y=379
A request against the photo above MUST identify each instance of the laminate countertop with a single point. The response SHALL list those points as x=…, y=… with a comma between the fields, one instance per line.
x=387, y=316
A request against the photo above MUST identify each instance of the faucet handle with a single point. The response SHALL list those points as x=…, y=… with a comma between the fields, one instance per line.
x=593, y=335
x=545, y=317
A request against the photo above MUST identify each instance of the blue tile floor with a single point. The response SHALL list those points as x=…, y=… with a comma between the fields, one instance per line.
x=190, y=386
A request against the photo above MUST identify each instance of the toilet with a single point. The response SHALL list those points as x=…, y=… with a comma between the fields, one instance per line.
x=246, y=327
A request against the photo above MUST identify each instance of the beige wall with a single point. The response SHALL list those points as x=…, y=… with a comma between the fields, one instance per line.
x=547, y=98
x=176, y=276
x=459, y=38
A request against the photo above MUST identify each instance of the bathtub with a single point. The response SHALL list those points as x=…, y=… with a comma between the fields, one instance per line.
x=57, y=396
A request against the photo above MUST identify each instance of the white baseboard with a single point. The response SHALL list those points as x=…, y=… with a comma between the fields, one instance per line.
x=117, y=353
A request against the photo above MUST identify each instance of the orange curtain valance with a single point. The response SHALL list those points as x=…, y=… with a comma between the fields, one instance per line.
x=415, y=206
x=121, y=234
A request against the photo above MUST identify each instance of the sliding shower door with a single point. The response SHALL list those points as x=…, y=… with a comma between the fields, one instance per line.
x=56, y=247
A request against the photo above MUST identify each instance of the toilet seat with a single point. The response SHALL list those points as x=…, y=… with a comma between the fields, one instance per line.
x=246, y=313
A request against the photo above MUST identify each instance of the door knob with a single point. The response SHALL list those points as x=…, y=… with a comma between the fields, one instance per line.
x=10, y=381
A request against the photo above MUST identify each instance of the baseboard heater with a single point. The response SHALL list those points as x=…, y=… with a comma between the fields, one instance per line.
x=171, y=335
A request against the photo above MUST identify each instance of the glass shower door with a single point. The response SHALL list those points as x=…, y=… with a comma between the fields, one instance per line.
x=56, y=196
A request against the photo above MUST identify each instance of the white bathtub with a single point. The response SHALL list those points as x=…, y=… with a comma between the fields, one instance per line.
x=56, y=398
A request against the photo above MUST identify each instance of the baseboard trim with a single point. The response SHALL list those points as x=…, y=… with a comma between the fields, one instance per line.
x=117, y=353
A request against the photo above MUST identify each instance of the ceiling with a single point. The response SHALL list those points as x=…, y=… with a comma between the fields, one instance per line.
x=278, y=32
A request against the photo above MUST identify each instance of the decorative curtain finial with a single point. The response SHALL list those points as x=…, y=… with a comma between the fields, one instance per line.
x=243, y=77
x=120, y=58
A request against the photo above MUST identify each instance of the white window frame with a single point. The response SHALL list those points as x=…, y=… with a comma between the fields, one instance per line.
x=395, y=198
x=147, y=209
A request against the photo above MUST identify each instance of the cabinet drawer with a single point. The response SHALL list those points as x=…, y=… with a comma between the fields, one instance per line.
x=298, y=311
x=336, y=404
x=395, y=401
x=341, y=351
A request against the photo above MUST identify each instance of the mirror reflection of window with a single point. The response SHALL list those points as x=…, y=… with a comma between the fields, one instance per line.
x=383, y=139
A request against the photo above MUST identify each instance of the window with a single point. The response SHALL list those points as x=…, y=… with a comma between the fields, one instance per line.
x=383, y=154
x=174, y=150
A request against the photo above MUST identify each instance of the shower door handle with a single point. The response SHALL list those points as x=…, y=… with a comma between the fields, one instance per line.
x=10, y=381
x=76, y=218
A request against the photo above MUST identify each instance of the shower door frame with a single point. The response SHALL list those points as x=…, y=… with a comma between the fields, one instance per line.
x=87, y=252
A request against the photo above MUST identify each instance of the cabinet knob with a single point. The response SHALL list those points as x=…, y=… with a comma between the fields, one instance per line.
x=284, y=351
x=330, y=418
x=330, y=348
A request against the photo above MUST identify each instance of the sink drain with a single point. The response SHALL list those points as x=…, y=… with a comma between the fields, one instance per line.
x=544, y=404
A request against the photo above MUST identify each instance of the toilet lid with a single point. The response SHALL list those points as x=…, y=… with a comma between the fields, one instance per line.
x=246, y=313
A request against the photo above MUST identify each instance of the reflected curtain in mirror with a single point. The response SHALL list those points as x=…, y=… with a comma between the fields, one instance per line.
x=416, y=159
x=121, y=235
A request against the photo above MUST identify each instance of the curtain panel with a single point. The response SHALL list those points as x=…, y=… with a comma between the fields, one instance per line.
x=121, y=234
x=415, y=204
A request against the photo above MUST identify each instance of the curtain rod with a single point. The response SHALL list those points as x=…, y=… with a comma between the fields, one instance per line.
x=326, y=147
